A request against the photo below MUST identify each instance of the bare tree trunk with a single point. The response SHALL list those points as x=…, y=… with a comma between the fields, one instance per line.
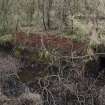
x=43, y=11
x=93, y=31
x=48, y=13
x=31, y=11
x=5, y=5
x=47, y=6
x=72, y=21
x=64, y=13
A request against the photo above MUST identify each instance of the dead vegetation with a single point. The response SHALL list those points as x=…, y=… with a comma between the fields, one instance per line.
x=59, y=75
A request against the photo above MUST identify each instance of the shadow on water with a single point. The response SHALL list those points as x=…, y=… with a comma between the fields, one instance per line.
x=6, y=49
x=10, y=85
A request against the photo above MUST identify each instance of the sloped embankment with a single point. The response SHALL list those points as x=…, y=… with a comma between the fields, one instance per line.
x=49, y=65
x=40, y=52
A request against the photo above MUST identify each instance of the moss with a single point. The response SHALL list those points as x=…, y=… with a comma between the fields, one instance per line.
x=34, y=55
x=6, y=38
x=41, y=56
x=44, y=56
x=18, y=52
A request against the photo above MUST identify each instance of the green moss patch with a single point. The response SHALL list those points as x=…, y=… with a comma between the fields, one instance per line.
x=6, y=38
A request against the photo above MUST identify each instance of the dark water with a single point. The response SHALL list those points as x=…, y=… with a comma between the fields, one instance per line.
x=8, y=63
x=9, y=67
